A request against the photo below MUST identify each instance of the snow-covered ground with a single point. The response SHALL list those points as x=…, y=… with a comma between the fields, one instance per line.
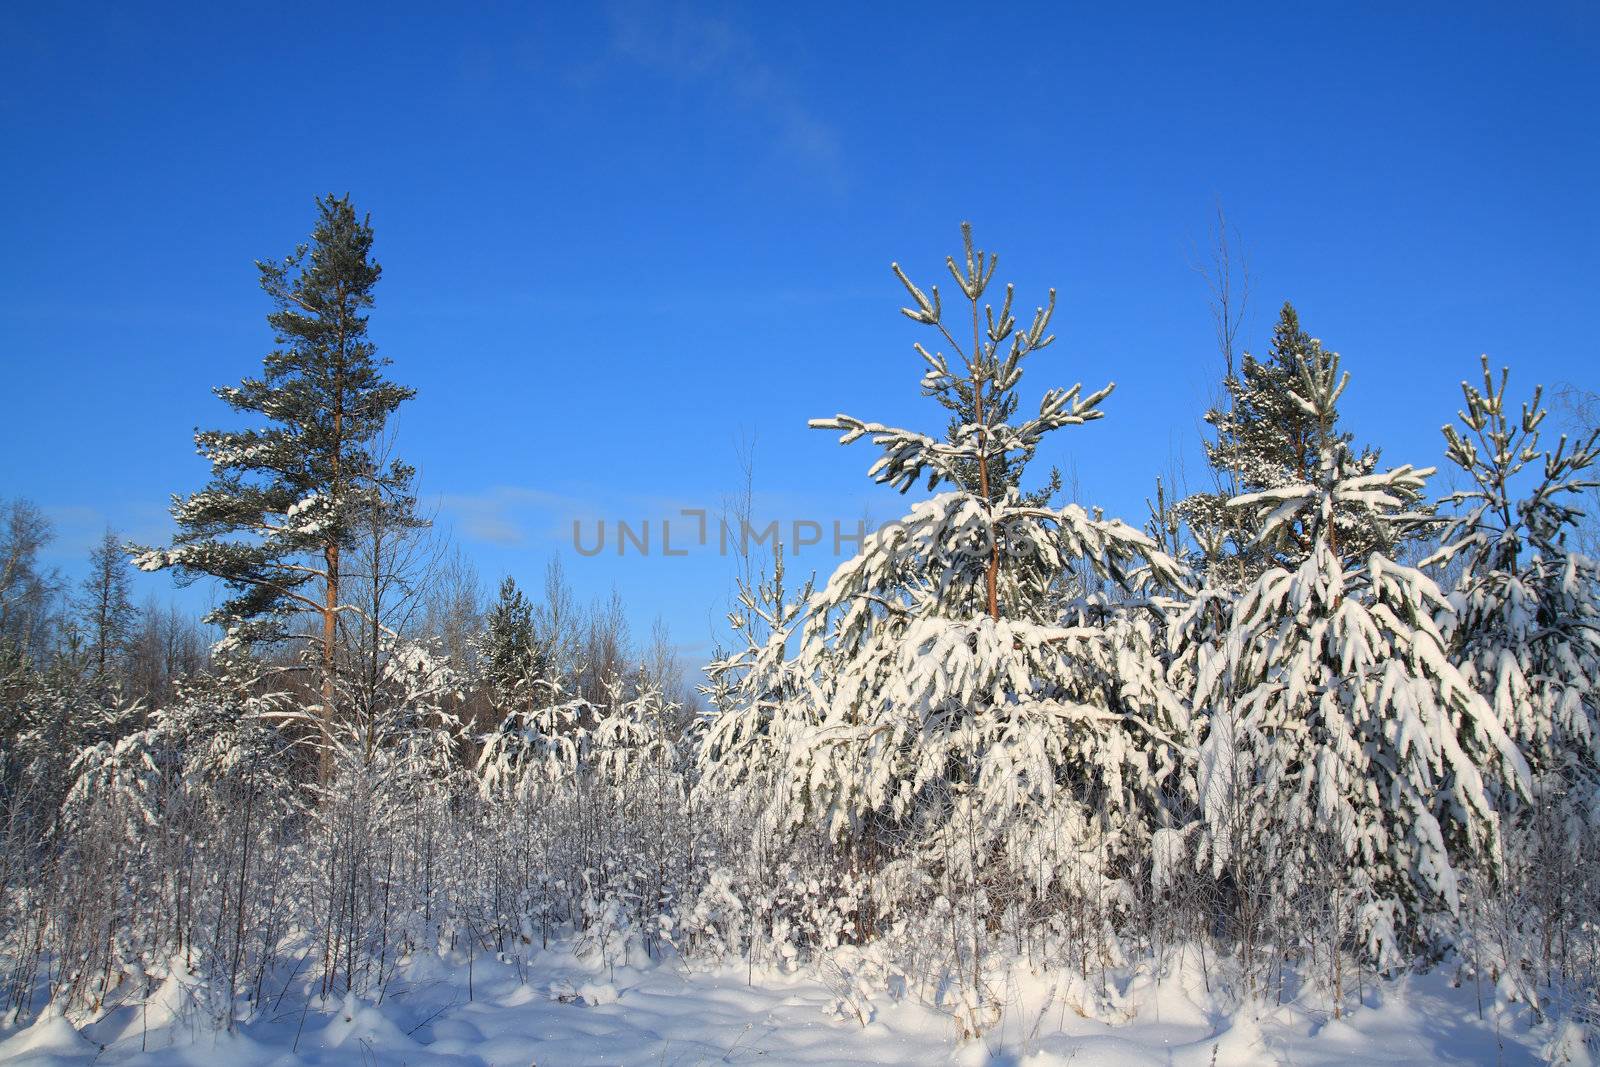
x=563, y=1012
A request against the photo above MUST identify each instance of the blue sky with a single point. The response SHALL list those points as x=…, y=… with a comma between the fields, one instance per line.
x=619, y=239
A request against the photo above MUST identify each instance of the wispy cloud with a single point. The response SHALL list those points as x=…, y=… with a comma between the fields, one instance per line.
x=509, y=515
x=517, y=516
x=76, y=528
x=691, y=46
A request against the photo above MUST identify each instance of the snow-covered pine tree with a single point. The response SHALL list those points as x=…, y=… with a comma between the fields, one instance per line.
x=748, y=688
x=1336, y=731
x=537, y=741
x=287, y=500
x=1266, y=439
x=541, y=729
x=950, y=702
x=1525, y=624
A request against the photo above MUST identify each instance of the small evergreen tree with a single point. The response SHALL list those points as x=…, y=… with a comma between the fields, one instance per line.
x=1526, y=618
x=951, y=701
x=749, y=688
x=511, y=656
x=1267, y=439
x=1335, y=729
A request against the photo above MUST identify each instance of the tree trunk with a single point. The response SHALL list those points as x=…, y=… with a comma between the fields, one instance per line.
x=993, y=574
x=330, y=555
x=330, y=626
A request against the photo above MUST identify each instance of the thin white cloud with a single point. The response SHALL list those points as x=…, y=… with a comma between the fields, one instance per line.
x=691, y=46
x=516, y=516
x=509, y=515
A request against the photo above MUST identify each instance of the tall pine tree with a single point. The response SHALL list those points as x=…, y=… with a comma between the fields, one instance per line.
x=288, y=499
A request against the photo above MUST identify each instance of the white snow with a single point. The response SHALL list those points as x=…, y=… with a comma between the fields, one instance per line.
x=561, y=1011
